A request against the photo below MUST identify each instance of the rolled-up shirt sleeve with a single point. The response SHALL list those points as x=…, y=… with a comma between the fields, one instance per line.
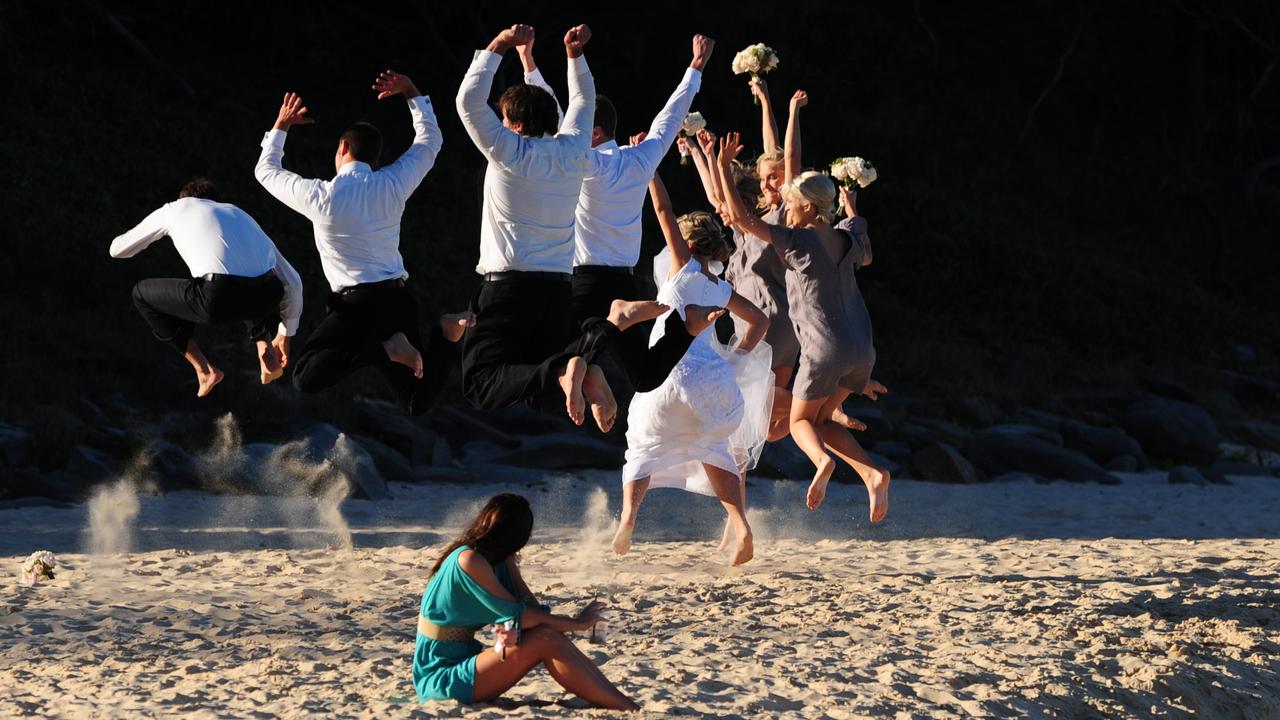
x=303, y=195
x=152, y=228
x=496, y=142
x=411, y=167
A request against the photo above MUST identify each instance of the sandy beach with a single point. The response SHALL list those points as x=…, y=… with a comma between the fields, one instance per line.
x=997, y=600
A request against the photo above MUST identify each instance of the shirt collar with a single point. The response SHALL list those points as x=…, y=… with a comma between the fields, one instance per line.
x=608, y=146
x=354, y=166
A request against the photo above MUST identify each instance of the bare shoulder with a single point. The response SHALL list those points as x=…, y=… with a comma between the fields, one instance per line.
x=474, y=564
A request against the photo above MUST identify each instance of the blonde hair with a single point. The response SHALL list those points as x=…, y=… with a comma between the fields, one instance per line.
x=814, y=188
x=705, y=234
x=771, y=156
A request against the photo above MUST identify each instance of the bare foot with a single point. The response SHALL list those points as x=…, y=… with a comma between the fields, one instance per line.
x=877, y=484
x=622, y=538
x=839, y=417
x=745, y=550
x=874, y=389
x=453, y=325
x=575, y=372
x=700, y=317
x=600, y=396
x=818, y=488
x=625, y=313
x=208, y=379
x=268, y=363
x=399, y=350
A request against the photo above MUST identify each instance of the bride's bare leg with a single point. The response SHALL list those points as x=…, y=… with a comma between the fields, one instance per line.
x=632, y=495
x=728, y=488
x=728, y=524
x=495, y=674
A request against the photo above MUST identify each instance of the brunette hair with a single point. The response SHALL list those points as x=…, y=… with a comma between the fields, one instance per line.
x=606, y=117
x=366, y=142
x=499, y=531
x=200, y=188
x=531, y=106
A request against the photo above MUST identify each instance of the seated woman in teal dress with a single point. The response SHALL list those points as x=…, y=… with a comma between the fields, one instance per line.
x=475, y=583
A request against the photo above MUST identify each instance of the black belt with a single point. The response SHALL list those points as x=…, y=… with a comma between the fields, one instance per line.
x=602, y=270
x=210, y=277
x=392, y=283
x=527, y=275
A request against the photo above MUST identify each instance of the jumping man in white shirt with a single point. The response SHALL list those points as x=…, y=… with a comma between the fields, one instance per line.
x=237, y=274
x=517, y=349
x=372, y=317
x=607, y=227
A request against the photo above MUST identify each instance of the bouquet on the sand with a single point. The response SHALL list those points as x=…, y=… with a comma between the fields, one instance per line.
x=692, y=125
x=851, y=171
x=39, y=566
x=756, y=59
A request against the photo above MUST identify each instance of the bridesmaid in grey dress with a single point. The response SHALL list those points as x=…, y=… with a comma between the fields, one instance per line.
x=831, y=320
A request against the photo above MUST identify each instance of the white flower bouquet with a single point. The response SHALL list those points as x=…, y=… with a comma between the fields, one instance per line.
x=756, y=59
x=39, y=566
x=853, y=171
x=692, y=125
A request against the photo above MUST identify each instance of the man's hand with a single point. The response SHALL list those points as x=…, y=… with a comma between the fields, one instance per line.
x=799, y=100
x=281, y=346
x=702, y=47
x=292, y=112
x=526, y=57
x=759, y=88
x=513, y=36
x=638, y=138
x=390, y=83
x=576, y=39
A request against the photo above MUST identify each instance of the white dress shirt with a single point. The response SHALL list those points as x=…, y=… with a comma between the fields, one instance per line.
x=356, y=215
x=611, y=203
x=220, y=238
x=531, y=185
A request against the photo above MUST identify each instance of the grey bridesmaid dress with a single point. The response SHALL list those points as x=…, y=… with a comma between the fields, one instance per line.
x=757, y=273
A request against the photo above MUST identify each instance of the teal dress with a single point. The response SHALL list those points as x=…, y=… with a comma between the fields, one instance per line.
x=447, y=670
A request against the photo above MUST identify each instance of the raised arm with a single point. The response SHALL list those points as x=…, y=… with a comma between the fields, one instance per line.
x=856, y=225
x=769, y=126
x=305, y=195
x=533, y=76
x=704, y=156
x=757, y=322
x=152, y=228
x=670, y=226
x=580, y=118
x=705, y=172
x=791, y=153
x=737, y=212
x=495, y=142
x=666, y=125
x=414, y=164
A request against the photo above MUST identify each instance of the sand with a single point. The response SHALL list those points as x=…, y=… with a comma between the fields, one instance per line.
x=1008, y=600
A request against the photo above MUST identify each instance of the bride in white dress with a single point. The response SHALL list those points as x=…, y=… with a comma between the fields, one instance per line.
x=683, y=434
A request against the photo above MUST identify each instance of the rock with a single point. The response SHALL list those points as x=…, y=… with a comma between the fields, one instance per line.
x=356, y=463
x=1257, y=432
x=1035, y=431
x=942, y=463
x=1124, y=463
x=999, y=453
x=89, y=466
x=391, y=464
x=562, y=451
x=885, y=464
x=878, y=425
x=429, y=473
x=1187, y=475
x=1166, y=386
x=1254, y=390
x=1101, y=444
x=15, y=447
x=975, y=410
x=783, y=459
x=1174, y=430
x=1046, y=420
x=946, y=431
x=384, y=422
x=480, y=452
x=172, y=468
x=1218, y=472
x=899, y=452
x=1012, y=477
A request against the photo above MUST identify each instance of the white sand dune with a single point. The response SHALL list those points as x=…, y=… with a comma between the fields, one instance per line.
x=1015, y=600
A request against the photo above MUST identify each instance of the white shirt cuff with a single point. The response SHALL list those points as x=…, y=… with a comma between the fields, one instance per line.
x=288, y=328
x=693, y=76
x=274, y=138
x=421, y=102
x=486, y=60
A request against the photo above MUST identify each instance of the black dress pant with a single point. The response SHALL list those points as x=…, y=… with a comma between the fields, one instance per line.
x=522, y=338
x=174, y=306
x=645, y=368
x=350, y=337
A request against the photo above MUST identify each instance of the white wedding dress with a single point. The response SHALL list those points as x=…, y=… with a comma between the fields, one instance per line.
x=713, y=408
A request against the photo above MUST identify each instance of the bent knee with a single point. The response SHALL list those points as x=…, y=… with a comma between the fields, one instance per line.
x=543, y=635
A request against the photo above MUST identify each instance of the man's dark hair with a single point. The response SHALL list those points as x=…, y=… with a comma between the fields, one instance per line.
x=366, y=142
x=200, y=188
x=531, y=106
x=606, y=117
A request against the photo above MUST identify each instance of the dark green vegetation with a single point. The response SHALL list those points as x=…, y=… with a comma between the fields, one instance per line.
x=1128, y=223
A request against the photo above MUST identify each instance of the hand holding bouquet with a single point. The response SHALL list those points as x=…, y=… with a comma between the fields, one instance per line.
x=756, y=59
x=692, y=125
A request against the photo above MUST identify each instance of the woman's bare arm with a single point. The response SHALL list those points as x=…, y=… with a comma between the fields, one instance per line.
x=754, y=317
x=768, y=126
x=736, y=210
x=670, y=227
x=791, y=152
